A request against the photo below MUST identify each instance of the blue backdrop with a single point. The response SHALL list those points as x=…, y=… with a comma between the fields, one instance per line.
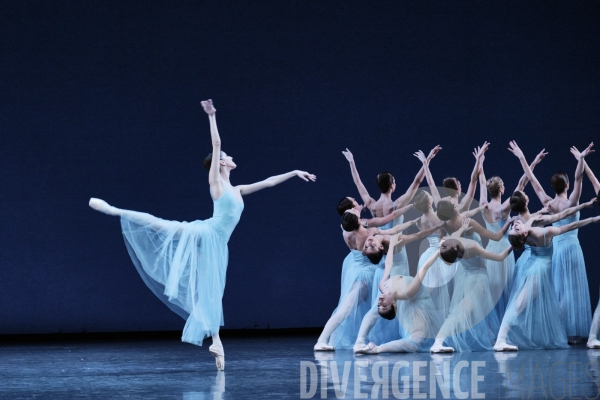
x=102, y=99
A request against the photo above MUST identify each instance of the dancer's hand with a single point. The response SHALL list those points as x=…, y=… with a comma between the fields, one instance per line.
x=433, y=152
x=514, y=148
x=348, y=155
x=414, y=221
x=588, y=150
x=481, y=150
x=545, y=210
x=394, y=240
x=540, y=156
x=590, y=203
x=306, y=176
x=208, y=106
x=421, y=156
x=466, y=224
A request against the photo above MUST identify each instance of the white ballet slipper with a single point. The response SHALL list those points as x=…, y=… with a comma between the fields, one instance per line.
x=593, y=344
x=323, y=347
x=102, y=206
x=441, y=349
x=505, y=347
x=219, y=354
x=366, y=349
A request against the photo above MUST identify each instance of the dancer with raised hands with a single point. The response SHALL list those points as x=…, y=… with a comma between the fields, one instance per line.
x=592, y=342
x=471, y=324
x=568, y=265
x=495, y=215
x=403, y=297
x=531, y=321
x=183, y=263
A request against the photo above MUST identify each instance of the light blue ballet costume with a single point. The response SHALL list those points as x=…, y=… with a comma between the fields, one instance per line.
x=357, y=281
x=570, y=281
x=184, y=264
x=500, y=273
x=531, y=312
x=387, y=330
x=472, y=323
x=439, y=277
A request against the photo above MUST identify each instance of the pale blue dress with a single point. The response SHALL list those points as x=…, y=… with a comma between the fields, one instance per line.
x=500, y=273
x=184, y=264
x=570, y=281
x=533, y=318
x=357, y=281
x=472, y=323
x=439, y=277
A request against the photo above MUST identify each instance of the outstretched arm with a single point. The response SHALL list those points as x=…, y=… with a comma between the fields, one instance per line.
x=214, y=178
x=483, y=193
x=550, y=219
x=539, y=190
x=552, y=231
x=490, y=255
x=465, y=226
x=362, y=190
x=412, y=189
x=274, y=180
x=470, y=213
x=425, y=160
x=495, y=236
x=405, y=239
x=389, y=262
x=523, y=182
x=576, y=193
x=466, y=201
x=399, y=228
x=411, y=290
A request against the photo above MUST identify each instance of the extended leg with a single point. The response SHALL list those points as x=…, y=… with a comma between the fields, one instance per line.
x=593, y=342
x=140, y=218
x=216, y=349
x=366, y=325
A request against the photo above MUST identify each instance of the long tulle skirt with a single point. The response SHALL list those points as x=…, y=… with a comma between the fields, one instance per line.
x=184, y=264
x=571, y=285
x=438, y=281
x=532, y=313
x=357, y=281
x=501, y=275
x=472, y=323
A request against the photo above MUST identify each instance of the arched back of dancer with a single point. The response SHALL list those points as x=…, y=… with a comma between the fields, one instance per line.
x=470, y=324
x=495, y=215
x=404, y=298
x=531, y=321
x=569, y=276
x=183, y=263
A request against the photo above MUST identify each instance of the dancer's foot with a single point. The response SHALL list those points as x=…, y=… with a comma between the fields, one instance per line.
x=593, y=344
x=503, y=346
x=219, y=355
x=357, y=346
x=370, y=348
x=441, y=349
x=323, y=347
x=102, y=206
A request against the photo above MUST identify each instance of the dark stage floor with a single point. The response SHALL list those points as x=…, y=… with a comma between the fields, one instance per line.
x=270, y=367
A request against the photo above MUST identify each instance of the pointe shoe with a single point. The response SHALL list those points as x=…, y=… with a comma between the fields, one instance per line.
x=505, y=347
x=441, y=349
x=323, y=347
x=102, y=206
x=219, y=354
x=366, y=349
x=593, y=344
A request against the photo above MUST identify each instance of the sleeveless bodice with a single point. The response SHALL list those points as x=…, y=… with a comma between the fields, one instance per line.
x=565, y=221
x=227, y=213
x=544, y=252
x=433, y=239
x=472, y=263
x=390, y=224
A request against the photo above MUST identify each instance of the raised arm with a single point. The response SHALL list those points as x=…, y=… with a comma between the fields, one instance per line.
x=389, y=262
x=214, y=177
x=362, y=190
x=523, y=181
x=550, y=219
x=411, y=290
x=552, y=231
x=425, y=160
x=483, y=193
x=275, y=180
x=539, y=190
x=466, y=201
x=412, y=189
x=576, y=193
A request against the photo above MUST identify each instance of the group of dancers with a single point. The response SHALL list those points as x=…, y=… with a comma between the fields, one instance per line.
x=464, y=297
